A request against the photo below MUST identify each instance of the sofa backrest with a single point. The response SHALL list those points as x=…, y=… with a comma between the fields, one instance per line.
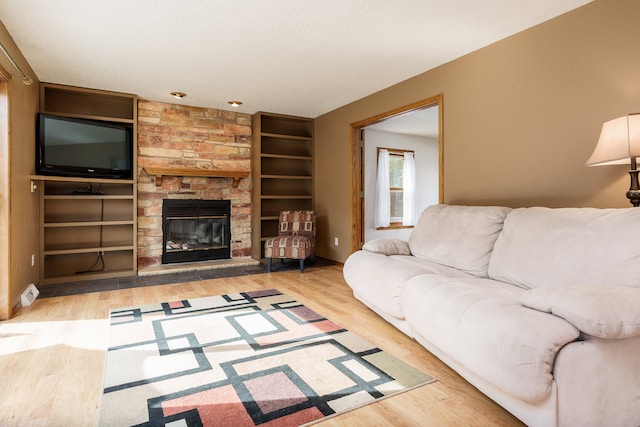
x=544, y=247
x=460, y=237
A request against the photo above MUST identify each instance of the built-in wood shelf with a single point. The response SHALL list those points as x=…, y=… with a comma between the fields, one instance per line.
x=208, y=173
x=282, y=166
x=88, y=226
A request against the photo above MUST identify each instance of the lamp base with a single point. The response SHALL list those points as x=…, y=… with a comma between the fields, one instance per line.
x=634, y=190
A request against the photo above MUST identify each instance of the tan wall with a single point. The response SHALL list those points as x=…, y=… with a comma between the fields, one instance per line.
x=520, y=119
x=23, y=205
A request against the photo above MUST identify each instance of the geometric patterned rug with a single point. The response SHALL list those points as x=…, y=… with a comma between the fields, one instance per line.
x=246, y=359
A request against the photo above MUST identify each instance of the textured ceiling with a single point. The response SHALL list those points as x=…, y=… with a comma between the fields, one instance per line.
x=300, y=57
x=422, y=122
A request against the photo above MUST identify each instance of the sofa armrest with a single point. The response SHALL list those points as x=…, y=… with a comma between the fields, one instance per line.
x=611, y=312
x=387, y=247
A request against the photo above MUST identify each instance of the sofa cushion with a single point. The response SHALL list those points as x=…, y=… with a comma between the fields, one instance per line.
x=387, y=247
x=600, y=311
x=543, y=247
x=378, y=279
x=431, y=267
x=480, y=324
x=460, y=237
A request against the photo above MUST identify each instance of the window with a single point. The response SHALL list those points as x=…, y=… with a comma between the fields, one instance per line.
x=395, y=188
x=396, y=170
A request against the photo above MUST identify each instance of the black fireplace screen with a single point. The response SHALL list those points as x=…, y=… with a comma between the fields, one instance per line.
x=195, y=230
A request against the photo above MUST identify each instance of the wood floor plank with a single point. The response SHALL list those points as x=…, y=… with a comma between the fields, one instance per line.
x=52, y=354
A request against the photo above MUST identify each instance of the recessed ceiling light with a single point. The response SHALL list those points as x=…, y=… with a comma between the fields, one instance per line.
x=178, y=95
x=235, y=104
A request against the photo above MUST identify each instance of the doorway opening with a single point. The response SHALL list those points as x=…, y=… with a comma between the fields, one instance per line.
x=358, y=161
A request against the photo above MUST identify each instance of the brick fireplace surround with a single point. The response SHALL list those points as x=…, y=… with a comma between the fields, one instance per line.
x=177, y=136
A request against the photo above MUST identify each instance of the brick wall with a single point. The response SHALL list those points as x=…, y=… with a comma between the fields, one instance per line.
x=171, y=135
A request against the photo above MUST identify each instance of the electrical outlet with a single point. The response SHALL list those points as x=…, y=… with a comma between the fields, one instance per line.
x=335, y=241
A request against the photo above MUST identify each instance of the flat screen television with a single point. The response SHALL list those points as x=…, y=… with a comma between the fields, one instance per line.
x=68, y=146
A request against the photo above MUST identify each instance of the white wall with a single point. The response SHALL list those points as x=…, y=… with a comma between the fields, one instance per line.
x=426, y=156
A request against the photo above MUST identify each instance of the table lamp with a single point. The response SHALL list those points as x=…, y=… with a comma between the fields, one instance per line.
x=619, y=143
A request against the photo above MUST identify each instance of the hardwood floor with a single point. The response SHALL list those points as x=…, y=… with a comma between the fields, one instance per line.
x=52, y=354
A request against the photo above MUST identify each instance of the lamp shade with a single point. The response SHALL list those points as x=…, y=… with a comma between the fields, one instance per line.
x=619, y=141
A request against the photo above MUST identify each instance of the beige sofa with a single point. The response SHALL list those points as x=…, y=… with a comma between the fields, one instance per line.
x=538, y=308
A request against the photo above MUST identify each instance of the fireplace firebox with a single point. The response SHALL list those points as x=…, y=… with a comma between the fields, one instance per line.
x=195, y=230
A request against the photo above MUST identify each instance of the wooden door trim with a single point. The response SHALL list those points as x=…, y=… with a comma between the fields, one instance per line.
x=357, y=170
x=5, y=186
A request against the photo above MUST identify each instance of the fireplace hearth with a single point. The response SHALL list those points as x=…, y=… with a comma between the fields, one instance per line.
x=195, y=230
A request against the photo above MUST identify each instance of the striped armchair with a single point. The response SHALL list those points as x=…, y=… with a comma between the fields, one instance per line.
x=296, y=238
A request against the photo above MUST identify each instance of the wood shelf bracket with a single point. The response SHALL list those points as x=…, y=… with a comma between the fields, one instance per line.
x=208, y=173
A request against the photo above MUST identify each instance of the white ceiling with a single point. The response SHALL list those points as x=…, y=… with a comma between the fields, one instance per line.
x=422, y=122
x=298, y=57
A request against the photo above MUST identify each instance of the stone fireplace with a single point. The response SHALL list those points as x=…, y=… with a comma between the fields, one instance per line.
x=184, y=138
